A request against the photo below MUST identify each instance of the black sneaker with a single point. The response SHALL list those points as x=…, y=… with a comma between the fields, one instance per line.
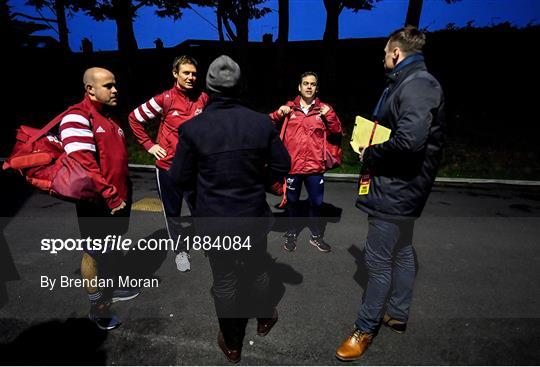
x=396, y=326
x=318, y=242
x=103, y=317
x=290, y=242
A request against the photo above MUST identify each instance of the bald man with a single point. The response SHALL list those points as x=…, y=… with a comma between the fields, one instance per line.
x=94, y=139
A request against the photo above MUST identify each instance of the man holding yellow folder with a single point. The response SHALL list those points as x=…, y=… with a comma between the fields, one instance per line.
x=396, y=178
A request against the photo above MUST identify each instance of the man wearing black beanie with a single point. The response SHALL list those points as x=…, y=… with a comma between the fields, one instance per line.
x=225, y=154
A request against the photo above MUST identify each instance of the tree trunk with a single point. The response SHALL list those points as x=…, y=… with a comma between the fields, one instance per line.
x=228, y=28
x=127, y=44
x=283, y=32
x=242, y=26
x=219, y=18
x=331, y=32
x=413, y=13
x=5, y=22
x=229, y=14
x=60, y=10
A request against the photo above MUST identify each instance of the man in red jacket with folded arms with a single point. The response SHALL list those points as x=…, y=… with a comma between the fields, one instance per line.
x=91, y=136
x=306, y=122
x=172, y=107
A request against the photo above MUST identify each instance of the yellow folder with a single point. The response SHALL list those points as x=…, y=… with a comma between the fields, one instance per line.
x=362, y=133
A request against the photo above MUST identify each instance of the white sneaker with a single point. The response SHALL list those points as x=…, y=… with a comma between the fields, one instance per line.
x=182, y=261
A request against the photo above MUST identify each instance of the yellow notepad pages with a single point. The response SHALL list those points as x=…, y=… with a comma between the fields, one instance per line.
x=362, y=133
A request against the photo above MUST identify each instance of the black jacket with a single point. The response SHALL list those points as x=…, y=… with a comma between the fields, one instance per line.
x=403, y=169
x=226, y=154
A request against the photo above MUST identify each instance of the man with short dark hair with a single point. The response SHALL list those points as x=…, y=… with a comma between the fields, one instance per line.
x=306, y=122
x=173, y=107
x=396, y=179
x=226, y=153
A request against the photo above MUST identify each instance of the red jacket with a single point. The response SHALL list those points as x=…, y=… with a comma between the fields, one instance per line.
x=305, y=135
x=178, y=106
x=98, y=143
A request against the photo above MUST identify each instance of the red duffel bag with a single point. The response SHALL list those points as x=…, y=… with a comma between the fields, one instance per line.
x=40, y=157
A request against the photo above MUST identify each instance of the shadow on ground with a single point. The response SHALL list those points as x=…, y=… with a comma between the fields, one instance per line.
x=70, y=342
x=329, y=214
x=13, y=194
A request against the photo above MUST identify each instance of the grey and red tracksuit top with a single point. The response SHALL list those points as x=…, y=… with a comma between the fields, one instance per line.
x=305, y=135
x=97, y=142
x=179, y=107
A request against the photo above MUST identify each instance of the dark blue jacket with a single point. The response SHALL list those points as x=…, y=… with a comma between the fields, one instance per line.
x=226, y=153
x=403, y=169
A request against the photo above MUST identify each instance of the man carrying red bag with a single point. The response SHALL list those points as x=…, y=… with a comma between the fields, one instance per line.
x=91, y=136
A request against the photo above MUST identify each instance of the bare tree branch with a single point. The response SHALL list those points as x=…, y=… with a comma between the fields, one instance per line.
x=230, y=32
x=201, y=16
x=139, y=5
x=41, y=19
x=48, y=5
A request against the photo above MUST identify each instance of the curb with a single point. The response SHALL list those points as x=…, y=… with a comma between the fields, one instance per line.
x=439, y=181
x=442, y=181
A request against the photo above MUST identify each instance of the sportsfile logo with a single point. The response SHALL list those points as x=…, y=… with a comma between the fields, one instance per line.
x=121, y=243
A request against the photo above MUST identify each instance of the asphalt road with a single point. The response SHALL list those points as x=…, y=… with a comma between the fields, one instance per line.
x=476, y=301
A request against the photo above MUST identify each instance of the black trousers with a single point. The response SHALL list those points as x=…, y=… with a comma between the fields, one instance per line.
x=171, y=197
x=240, y=289
x=95, y=221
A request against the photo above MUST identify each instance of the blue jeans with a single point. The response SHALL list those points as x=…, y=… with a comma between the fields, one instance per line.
x=315, y=188
x=171, y=198
x=389, y=257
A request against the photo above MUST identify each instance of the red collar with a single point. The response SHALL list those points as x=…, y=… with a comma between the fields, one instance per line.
x=182, y=92
x=192, y=95
x=92, y=105
x=316, y=103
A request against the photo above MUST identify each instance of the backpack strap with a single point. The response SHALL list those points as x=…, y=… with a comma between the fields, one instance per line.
x=285, y=122
x=284, y=128
x=45, y=129
x=325, y=141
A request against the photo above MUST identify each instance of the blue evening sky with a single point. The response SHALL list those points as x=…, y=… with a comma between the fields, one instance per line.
x=307, y=21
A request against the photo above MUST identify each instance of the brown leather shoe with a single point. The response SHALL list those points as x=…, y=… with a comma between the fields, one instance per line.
x=354, y=346
x=265, y=326
x=394, y=325
x=233, y=355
